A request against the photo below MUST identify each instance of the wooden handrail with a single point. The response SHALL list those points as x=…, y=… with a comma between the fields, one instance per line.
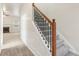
x=53, y=28
x=42, y=14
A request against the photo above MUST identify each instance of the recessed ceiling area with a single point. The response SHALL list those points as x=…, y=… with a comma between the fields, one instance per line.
x=12, y=9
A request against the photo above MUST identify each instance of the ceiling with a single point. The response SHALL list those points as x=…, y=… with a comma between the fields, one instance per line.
x=10, y=9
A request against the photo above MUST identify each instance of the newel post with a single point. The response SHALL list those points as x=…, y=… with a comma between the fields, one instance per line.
x=53, y=38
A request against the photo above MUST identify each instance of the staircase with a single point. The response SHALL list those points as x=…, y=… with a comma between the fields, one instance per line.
x=43, y=24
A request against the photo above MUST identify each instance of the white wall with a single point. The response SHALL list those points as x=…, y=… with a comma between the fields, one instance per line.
x=1, y=28
x=67, y=18
x=29, y=33
x=12, y=20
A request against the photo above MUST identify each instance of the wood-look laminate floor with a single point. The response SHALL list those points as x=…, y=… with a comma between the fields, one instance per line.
x=13, y=46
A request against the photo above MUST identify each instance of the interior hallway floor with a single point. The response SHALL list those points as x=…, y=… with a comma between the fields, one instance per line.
x=13, y=46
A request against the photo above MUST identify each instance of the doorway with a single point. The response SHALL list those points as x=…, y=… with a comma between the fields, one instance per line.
x=6, y=30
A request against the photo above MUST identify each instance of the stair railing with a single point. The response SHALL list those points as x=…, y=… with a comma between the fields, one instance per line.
x=52, y=24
